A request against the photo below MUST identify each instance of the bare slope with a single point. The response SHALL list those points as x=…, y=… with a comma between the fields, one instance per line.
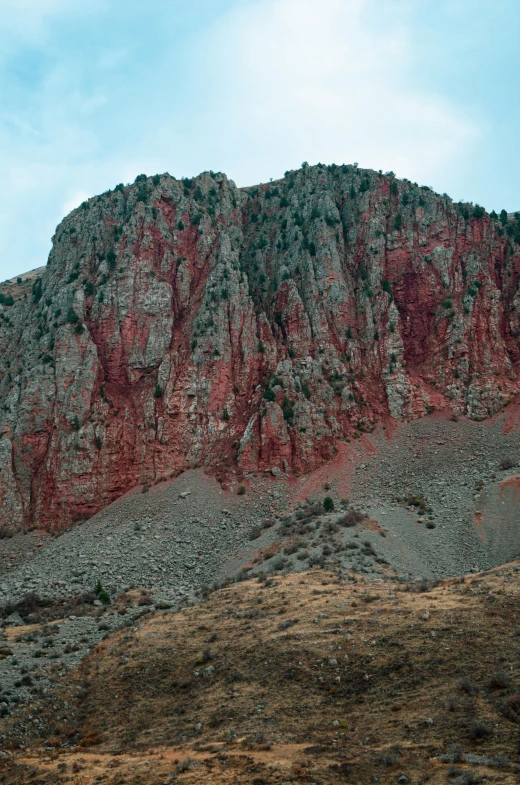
x=301, y=679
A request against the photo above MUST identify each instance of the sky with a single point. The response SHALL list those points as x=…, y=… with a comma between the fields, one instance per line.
x=94, y=93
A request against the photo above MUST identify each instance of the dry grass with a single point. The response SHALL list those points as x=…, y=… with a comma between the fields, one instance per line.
x=227, y=692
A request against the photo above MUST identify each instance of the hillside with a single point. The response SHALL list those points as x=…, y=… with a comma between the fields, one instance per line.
x=185, y=323
x=298, y=679
x=14, y=289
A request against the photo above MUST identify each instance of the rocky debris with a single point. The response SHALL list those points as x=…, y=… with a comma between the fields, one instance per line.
x=177, y=541
x=184, y=323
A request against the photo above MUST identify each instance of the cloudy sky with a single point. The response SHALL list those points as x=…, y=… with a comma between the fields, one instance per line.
x=94, y=93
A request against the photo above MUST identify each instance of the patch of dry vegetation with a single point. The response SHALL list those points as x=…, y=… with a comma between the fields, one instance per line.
x=298, y=679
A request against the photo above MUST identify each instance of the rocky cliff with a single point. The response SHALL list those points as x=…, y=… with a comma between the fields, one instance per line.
x=188, y=322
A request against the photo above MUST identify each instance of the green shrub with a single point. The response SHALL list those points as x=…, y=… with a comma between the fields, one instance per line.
x=288, y=410
x=398, y=222
x=102, y=594
x=37, y=290
x=269, y=394
x=328, y=504
x=241, y=490
x=72, y=316
x=158, y=392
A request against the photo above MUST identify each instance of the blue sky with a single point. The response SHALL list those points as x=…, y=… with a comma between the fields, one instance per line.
x=94, y=93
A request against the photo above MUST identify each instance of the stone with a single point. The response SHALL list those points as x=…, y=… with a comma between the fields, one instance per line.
x=247, y=330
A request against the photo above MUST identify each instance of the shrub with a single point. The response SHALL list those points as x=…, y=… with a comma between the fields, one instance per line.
x=91, y=740
x=37, y=290
x=398, y=222
x=468, y=686
x=269, y=394
x=288, y=410
x=498, y=681
x=511, y=708
x=241, y=490
x=102, y=594
x=111, y=259
x=158, y=392
x=480, y=730
x=390, y=756
x=328, y=504
x=351, y=518
x=72, y=316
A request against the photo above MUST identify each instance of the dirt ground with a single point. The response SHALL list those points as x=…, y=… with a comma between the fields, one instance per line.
x=294, y=679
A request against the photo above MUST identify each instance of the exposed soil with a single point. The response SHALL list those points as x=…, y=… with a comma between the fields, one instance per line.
x=299, y=679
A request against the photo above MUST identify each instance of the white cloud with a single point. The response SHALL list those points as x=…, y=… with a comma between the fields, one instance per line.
x=74, y=200
x=332, y=81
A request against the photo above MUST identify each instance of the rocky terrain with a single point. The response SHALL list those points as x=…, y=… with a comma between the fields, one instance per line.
x=433, y=499
x=299, y=679
x=214, y=402
x=17, y=289
x=189, y=323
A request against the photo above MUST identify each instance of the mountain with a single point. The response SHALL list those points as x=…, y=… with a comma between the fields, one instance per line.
x=184, y=323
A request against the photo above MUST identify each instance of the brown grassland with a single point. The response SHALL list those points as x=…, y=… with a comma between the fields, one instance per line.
x=300, y=679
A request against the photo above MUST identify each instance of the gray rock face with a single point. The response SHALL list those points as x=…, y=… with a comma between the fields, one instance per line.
x=188, y=323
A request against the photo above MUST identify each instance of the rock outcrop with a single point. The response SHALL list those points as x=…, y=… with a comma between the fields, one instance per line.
x=188, y=322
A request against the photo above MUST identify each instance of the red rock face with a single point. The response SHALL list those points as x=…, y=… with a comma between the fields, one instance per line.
x=185, y=323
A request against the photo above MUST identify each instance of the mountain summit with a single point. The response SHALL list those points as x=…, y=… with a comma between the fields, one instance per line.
x=182, y=323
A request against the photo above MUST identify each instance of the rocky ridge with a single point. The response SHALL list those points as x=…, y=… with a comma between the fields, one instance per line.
x=184, y=323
